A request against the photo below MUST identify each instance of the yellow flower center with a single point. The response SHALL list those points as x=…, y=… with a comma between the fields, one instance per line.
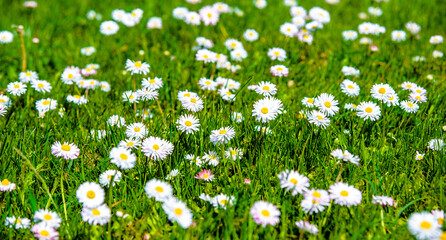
x=264, y=110
x=178, y=211
x=137, y=129
x=409, y=86
x=223, y=131
x=327, y=104
x=65, y=147
x=77, y=96
x=5, y=182
x=159, y=189
x=70, y=76
x=40, y=85
x=410, y=104
x=344, y=193
x=205, y=175
x=28, y=74
x=209, y=15
x=265, y=213
x=266, y=88
x=188, y=123
x=47, y=217
x=441, y=221
x=156, y=147
x=16, y=86
x=317, y=195
x=425, y=225
x=319, y=117
x=369, y=110
x=276, y=53
x=233, y=152
x=193, y=100
x=207, y=83
x=46, y=102
x=418, y=97
x=187, y=95
x=233, y=45
x=129, y=144
x=350, y=86
x=279, y=69
x=310, y=100
x=138, y=64
x=205, y=56
x=293, y=181
x=224, y=202
x=18, y=221
x=229, y=93
x=123, y=156
x=96, y=212
x=91, y=194
x=44, y=233
x=382, y=90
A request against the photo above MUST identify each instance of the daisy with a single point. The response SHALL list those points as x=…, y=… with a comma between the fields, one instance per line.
x=375, y=11
x=277, y=53
x=152, y=83
x=307, y=227
x=369, y=110
x=130, y=143
x=156, y=148
x=28, y=76
x=350, y=88
x=6, y=185
x=350, y=35
x=194, y=104
x=227, y=83
x=234, y=154
x=177, y=211
x=409, y=106
x=147, y=94
x=260, y=3
x=88, y=51
x=154, y=23
x=308, y=102
x=90, y=194
x=267, y=109
x=122, y=158
x=393, y=100
x=265, y=213
x=41, y=86
x=211, y=158
x=232, y=44
x=6, y=37
x=203, y=42
x=263, y=130
x=44, y=231
x=326, y=104
x=192, y=18
x=188, y=124
x=106, y=177
x=238, y=54
x=158, y=189
x=205, y=175
x=319, y=119
x=298, y=11
x=47, y=217
x=209, y=15
x=77, y=99
x=344, y=194
x=437, y=54
x=398, y=36
x=279, y=70
x=250, y=35
x=313, y=26
x=288, y=29
x=130, y=96
x=237, y=117
x=293, y=181
x=439, y=215
x=194, y=160
x=66, y=150
x=180, y=12
x=4, y=100
x=419, y=90
x=109, y=27
x=413, y=27
x=3, y=109
x=105, y=86
x=116, y=120
x=436, y=39
x=417, y=97
x=207, y=84
x=419, y=156
x=298, y=21
x=266, y=89
x=136, y=130
x=221, y=7
x=137, y=67
x=17, y=222
x=186, y=95
x=319, y=14
x=315, y=201
x=408, y=85
x=16, y=88
x=222, y=201
x=436, y=144
x=45, y=105
x=222, y=135
x=383, y=200
x=350, y=71
x=206, y=56
x=424, y=226
x=99, y=215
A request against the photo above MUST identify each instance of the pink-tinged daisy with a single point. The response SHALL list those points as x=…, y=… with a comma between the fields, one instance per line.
x=315, y=200
x=66, y=150
x=344, y=194
x=205, y=175
x=383, y=200
x=6, y=185
x=307, y=227
x=279, y=70
x=44, y=231
x=293, y=181
x=265, y=213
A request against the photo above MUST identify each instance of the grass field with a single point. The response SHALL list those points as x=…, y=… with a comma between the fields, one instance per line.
x=386, y=147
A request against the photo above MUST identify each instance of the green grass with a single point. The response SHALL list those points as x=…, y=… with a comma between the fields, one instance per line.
x=386, y=147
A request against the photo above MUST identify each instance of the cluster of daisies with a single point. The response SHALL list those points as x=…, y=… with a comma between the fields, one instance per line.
x=45, y=225
x=208, y=15
x=128, y=19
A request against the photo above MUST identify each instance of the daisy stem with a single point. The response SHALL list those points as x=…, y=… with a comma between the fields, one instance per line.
x=302, y=231
x=110, y=199
x=340, y=171
x=161, y=110
x=21, y=33
x=63, y=196
x=382, y=220
x=213, y=71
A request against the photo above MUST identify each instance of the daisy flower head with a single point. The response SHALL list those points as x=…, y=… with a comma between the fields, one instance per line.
x=109, y=27
x=105, y=86
x=375, y=11
x=308, y=102
x=192, y=103
x=350, y=71
x=408, y=85
x=232, y=44
x=293, y=181
x=66, y=150
x=6, y=186
x=3, y=109
x=277, y=54
x=130, y=96
x=398, y=36
x=180, y=13
x=156, y=148
x=45, y=105
x=147, y=94
x=383, y=200
x=41, y=86
x=222, y=201
x=226, y=94
x=47, y=217
x=106, y=177
x=116, y=120
x=136, y=130
x=424, y=226
x=44, y=231
x=319, y=14
x=350, y=35
x=263, y=130
x=267, y=109
x=315, y=201
x=122, y=157
x=351, y=106
x=419, y=90
x=369, y=110
x=6, y=37
x=413, y=27
x=209, y=15
x=393, y=100
x=16, y=88
x=313, y=26
x=381, y=91
x=188, y=123
x=237, y=117
x=177, y=211
x=298, y=21
x=222, y=135
x=192, y=18
x=211, y=158
x=221, y=7
x=203, y=42
x=419, y=156
x=206, y=56
x=288, y=29
x=307, y=227
x=158, y=189
x=130, y=143
x=172, y=174
x=90, y=194
x=439, y=216
x=344, y=194
x=279, y=70
x=207, y=84
x=409, y=106
x=88, y=51
x=205, y=175
x=238, y=54
x=137, y=67
x=99, y=215
x=234, y=154
x=436, y=39
x=250, y=35
x=17, y=222
x=194, y=160
x=154, y=23
x=350, y=88
x=417, y=97
x=77, y=99
x=327, y=104
x=28, y=76
x=436, y=144
x=260, y=3
x=265, y=213
x=152, y=83
x=437, y=54
x=4, y=100
x=298, y=11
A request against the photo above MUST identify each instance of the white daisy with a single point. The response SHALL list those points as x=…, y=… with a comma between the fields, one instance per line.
x=99, y=215
x=90, y=194
x=137, y=67
x=369, y=110
x=106, y=177
x=222, y=135
x=41, y=86
x=326, y=104
x=344, y=194
x=158, y=189
x=66, y=150
x=350, y=88
x=188, y=124
x=16, y=88
x=409, y=106
x=177, y=211
x=122, y=158
x=156, y=148
x=28, y=76
x=293, y=181
x=267, y=109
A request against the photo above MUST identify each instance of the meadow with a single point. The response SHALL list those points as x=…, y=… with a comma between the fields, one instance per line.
x=295, y=149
